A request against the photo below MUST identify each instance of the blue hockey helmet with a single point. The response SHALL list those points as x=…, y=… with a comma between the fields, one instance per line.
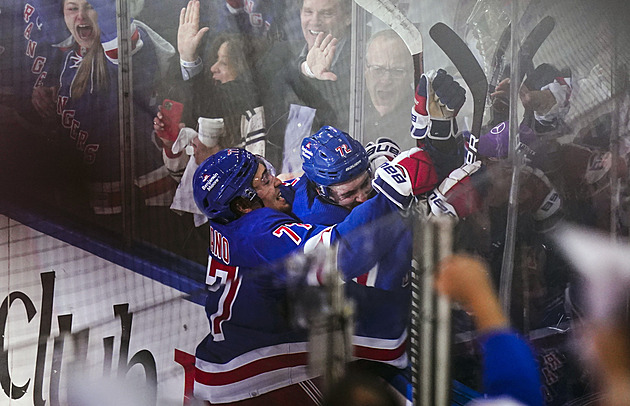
x=331, y=157
x=220, y=179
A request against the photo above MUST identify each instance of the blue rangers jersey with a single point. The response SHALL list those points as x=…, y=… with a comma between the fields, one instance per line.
x=27, y=31
x=308, y=206
x=92, y=134
x=381, y=295
x=254, y=17
x=252, y=348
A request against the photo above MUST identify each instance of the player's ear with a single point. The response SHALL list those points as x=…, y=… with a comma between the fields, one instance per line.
x=239, y=206
x=242, y=206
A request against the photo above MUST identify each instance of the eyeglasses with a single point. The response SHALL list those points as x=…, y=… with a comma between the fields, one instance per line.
x=268, y=165
x=268, y=174
x=380, y=71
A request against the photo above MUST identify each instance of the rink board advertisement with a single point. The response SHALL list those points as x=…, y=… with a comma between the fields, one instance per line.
x=73, y=323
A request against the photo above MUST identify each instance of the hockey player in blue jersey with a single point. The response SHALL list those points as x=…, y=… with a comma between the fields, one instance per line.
x=337, y=178
x=252, y=348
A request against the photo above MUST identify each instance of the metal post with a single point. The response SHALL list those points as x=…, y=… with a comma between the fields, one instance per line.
x=125, y=120
x=428, y=318
x=430, y=325
x=443, y=227
x=357, y=62
x=339, y=348
x=507, y=267
x=619, y=87
x=417, y=315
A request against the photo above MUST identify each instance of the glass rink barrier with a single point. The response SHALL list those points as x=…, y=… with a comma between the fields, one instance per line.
x=422, y=202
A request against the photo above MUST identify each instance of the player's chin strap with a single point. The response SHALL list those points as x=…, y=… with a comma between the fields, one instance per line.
x=323, y=192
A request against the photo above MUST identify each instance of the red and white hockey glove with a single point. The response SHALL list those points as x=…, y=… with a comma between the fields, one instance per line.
x=438, y=100
x=381, y=151
x=393, y=182
x=419, y=168
x=410, y=174
x=456, y=196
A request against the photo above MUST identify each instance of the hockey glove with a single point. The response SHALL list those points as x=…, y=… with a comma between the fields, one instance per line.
x=381, y=151
x=393, y=182
x=419, y=168
x=410, y=173
x=438, y=100
x=456, y=196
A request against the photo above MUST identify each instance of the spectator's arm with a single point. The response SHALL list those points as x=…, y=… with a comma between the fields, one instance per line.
x=189, y=37
x=319, y=58
x=509, y=368
x=191, y=69
x=465, y=280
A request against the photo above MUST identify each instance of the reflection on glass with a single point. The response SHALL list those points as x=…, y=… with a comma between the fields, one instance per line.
x=268, y=70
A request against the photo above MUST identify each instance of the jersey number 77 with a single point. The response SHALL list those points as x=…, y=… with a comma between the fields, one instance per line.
x=222, y=275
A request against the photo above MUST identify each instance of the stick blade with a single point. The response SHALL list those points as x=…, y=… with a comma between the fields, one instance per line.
x=387, y=12
x=498, y=59
x=532, y=43
x=464, y=60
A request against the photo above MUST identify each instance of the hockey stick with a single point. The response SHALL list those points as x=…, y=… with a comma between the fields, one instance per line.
x=528, y=49
x=531, y=44
x=472, y=73
x=498, y=70
x=387, y=12
x=498, y=59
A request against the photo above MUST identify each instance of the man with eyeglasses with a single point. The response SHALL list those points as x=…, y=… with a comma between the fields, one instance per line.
x=389, y=84
x=389, y=81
